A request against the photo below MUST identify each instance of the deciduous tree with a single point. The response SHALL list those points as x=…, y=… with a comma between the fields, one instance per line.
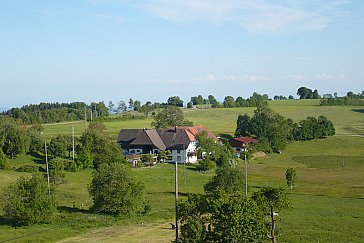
x=116, y=190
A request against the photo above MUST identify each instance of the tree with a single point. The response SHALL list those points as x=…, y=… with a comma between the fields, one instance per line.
x=4, y=164
x=269, y=125
x=306, y=93
x=60, y=146
x=169, y=117
x=291, y=177
x=96, y=142
x=271, y=200
x=189, y=105
x=163, y=155
x=290, y=97
x=229, y=179
x=315, y=94
x=175, y=101
x=136, y=105
x=243, y=126
x=36, y=141
x=229, y=102
x=121, y=107
x=27, y=201
x=111, y=106
x=220, y=217
x=116, y=190
x=131, y=104
x=213, y=101
x=13, y=137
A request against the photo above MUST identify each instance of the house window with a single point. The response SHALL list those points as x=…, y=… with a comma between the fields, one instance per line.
x=178, y=151
x=178, y=158
x=238, y=149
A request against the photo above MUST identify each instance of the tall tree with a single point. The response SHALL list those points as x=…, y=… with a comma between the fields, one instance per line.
x=131, y=104
x=243, y=126
x=116, y=190
x=291, y=177
x=271, y=200
x=121, y=107
x=169, y=117
x=111, y=106
x=229, y=102
x=175, y=101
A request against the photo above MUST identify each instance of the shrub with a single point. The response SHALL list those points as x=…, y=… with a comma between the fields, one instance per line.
x=28, y=168
x=206, y=164
x=27, y=201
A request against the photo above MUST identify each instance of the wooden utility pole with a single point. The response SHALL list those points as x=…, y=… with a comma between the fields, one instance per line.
x=73, y=143
x=246, y=176
x=176, y=199
x=85, y=118
x=46, y=159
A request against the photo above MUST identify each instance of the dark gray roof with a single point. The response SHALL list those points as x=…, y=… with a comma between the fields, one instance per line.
x=174, y=138
x=171, y=138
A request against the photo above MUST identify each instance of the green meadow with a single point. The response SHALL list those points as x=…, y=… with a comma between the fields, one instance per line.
x=327, y=201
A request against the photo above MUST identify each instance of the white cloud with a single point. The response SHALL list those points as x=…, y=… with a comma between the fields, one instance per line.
x=317, y=77
x=253, y=15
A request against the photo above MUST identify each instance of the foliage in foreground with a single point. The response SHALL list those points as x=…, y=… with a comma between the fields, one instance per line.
x=219, y=217
x=271, y=200
x=28, y=202
x=116, y=190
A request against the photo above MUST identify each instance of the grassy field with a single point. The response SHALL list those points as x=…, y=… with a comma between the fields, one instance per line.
x=348, y=120
x=327, y=200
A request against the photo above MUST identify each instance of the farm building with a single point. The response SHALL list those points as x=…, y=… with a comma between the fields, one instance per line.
x=238, y=144
x=180, y=141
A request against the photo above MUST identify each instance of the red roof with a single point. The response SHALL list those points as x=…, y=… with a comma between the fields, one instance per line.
x=246, y=139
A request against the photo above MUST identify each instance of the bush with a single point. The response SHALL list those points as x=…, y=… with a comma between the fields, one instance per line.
x=28, y=168
x=27, y=201
x=206, y=164
x=228, y=178
x=116, y=190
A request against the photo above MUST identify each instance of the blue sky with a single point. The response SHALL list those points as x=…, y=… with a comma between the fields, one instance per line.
x=92, y=50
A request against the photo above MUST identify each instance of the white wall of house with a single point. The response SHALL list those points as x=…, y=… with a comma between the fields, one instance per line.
x=181, y=156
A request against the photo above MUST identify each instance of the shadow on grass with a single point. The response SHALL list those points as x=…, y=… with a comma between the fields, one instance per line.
x=358, y=110
x=37, y=158
x=73, y=210
x=7, y=221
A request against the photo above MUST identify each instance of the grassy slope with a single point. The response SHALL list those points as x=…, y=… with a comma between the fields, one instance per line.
x=346, y=119
x=327, y=202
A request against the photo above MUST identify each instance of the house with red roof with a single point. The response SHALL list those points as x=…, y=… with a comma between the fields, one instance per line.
x=238, y=144
x=180, y=141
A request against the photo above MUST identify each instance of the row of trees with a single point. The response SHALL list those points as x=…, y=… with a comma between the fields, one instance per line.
x=229, y=101
x=274, y=131
x=349, y=99
x=56, y=112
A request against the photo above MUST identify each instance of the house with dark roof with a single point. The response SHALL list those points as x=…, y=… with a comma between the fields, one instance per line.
x=180, y=141
x=238, y=144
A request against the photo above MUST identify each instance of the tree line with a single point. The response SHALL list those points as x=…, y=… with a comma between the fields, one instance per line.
x=57, y=112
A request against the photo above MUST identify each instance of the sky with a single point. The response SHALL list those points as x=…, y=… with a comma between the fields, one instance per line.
x=112, y=50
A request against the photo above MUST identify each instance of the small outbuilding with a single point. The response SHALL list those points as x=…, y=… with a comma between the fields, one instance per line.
x=238, y=144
